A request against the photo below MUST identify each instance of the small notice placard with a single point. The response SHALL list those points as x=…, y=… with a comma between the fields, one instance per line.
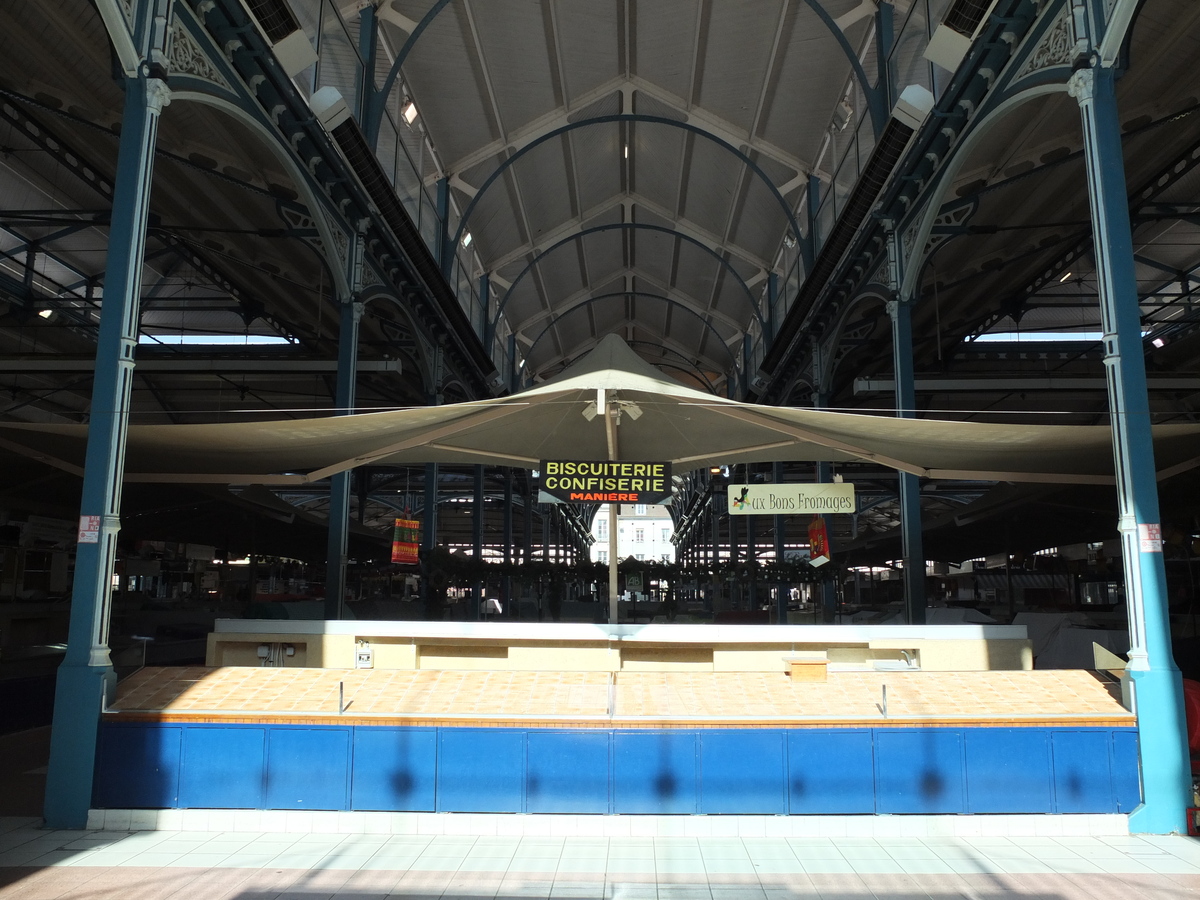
x=89, y=529
x=1150, y=538
x=786, y=499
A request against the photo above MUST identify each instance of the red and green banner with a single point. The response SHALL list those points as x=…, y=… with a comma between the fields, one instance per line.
x=406, y=540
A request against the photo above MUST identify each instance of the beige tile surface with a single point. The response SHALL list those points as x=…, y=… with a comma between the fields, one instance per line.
x=736, y=697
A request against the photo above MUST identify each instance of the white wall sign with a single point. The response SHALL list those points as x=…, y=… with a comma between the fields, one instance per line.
x=788, y=499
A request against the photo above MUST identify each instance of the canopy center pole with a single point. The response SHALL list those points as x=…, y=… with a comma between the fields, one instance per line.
x=610, y=431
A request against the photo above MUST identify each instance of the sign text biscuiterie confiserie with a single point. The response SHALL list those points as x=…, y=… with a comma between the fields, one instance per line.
x=586, y=481
x=786, y=499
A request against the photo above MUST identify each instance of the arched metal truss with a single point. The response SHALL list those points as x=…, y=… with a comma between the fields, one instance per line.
x=873, y=94
x=586, y=303
x=614, y=119
x=615, y=226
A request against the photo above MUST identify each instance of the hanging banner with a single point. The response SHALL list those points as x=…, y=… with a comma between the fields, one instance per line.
x=406, y=540
x=785, y=499
x=818, y=542
x=582, y=481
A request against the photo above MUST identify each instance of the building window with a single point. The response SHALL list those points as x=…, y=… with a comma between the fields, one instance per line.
x=641, y=556
x=666, y=535
x=602, y=556
x=602, y=529
x=639, y=509
x=639, y=535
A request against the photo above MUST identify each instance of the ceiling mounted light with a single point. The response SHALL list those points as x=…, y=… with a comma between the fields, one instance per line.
x=627, y=151
x=1159, y=342
x=466, y=241
x=789, y=241
x=589, y=411
x=410, y=112
x=46, y=313
x=1064, y=278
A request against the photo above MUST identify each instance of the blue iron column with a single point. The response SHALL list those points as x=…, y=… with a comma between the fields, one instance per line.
x=477, y=536
x=784, y=591
x=1157, y=685
x=339, y=484
x=508, y=539
x=827, y=589
x=910, y=485
x=85, y=677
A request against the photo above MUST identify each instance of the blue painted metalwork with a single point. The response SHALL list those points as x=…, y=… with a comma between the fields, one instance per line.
x=1009, y=770
x=875, y=105
x=308, y=768
x=339, y=483
x=743, y=771
x=910, y=485
x=138, y=768
x=627, y=117
x=445, y=247
x=831, y=770
x=1157, y=683
x=654, y=772
x=481, y=770
x=676, y=303
x=1127, y=786
x=477, y=533
x=394, y=768
x=920, y=771
x=368, y=50
x=569, y=771
x=223, y=767
x=86, y=673
x=772, y=312
x=780, y=523
x=1082, y=781
x=885, y=37
x=796, y=771
x=826, y=589
x=379, y=98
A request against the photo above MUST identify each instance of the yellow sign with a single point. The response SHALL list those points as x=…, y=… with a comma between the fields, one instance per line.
x=583, y=481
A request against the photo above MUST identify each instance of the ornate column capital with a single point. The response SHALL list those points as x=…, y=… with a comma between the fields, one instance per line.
x=158, y=95
x=1081, y=85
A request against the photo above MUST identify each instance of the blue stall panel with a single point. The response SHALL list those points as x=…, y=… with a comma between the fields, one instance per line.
x=919, y=771
x=831, y=771
x=222, y=767
x=480, y=770
x=654, y=772
x=742, y=771
x=137, y=767
x=308, y=768
x=1008, y=770
x=1126, y=784
x=568, y=772
x=1082, y=780
x=394, y=769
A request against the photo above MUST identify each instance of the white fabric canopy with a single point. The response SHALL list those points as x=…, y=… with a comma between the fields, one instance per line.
x=661, y=420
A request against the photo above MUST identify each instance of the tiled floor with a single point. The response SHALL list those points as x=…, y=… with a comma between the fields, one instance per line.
x=207, y=865
x=1066, y=695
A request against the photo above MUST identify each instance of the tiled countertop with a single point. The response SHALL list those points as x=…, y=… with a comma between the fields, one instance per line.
x=529, y=699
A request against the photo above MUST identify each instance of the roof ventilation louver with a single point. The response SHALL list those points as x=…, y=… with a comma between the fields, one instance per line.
x=288, y=40
x=912, y=108
x=333, y=114
x=959, y=27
